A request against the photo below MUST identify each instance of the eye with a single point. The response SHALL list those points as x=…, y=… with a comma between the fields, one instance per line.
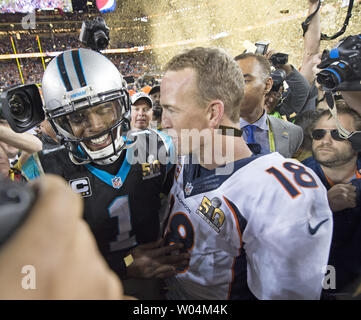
x=77, y=118
x=107, y=109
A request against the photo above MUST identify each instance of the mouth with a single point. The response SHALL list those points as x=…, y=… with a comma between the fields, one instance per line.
x=99, y=143
x=325, y=150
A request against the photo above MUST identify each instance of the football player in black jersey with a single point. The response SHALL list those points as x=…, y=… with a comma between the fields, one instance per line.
x=120, y=177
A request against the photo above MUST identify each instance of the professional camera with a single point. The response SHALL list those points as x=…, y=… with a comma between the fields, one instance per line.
x=278, y=76
x=278, y=59
x=261, y=47
x=341, y=64
x=16, y=200
x=21, y=106
x=95, y=34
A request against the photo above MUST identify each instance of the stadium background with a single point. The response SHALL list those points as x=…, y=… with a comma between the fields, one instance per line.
x=145, y=34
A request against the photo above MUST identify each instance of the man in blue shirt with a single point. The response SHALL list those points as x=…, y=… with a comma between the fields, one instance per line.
x=263, y=133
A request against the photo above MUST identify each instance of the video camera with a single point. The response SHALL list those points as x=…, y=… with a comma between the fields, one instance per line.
x=94, y=34
x=342, y=66
x=22, y=107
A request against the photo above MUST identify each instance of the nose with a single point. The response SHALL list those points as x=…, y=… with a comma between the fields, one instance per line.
x=96, y=123
x=327, y=139
x=141, y=112
x=166, y=121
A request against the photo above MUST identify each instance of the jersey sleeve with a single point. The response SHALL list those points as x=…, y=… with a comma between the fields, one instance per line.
x=287, y=239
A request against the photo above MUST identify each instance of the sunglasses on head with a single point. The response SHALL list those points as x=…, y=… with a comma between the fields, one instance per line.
x=318, y=134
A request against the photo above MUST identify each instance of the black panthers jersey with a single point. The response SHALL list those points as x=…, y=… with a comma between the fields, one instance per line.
x=121, y=200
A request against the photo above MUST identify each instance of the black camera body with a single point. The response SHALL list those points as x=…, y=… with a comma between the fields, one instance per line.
x=95, y=34
x=16, y=200
x=22, y=107
x=278, y=76
x=341, y=64
x=279, y=59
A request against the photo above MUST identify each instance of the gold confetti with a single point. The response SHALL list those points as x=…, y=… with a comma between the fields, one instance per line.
x=172, y=25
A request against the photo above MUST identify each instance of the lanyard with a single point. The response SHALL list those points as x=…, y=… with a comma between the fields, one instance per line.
x=271, y=138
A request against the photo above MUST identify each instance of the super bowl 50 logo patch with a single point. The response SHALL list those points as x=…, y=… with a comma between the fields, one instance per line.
x=151, y=169
x=210, y=212
x=81, y=186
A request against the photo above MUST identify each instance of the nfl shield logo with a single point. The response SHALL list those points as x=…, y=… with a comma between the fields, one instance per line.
x=117, y=182
x=188, y=188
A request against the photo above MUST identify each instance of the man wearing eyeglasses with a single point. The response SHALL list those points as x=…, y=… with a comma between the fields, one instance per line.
x=339, y=167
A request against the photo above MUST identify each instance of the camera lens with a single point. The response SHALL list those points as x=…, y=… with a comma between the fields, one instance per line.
x=332, y=76
x=100, y=39
x=20, y=107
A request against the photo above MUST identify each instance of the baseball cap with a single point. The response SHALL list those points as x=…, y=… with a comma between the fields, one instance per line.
x=141, y=95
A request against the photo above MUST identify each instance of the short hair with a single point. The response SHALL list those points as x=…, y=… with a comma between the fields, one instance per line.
x=342, y=108
x=262, y=60
x=218, y=77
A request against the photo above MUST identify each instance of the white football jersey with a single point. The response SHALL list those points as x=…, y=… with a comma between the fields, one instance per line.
x=264, y=230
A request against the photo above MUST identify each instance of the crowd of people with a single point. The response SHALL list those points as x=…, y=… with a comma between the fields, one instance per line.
x=130, y=65
x=31, y=5
x=221, y=182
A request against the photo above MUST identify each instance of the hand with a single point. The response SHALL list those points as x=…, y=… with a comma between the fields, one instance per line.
x=316, y=60
x=153, y=261
x=342, y=196
x=270, y=53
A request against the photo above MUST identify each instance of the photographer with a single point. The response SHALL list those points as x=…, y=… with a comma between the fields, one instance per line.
x=293, y=101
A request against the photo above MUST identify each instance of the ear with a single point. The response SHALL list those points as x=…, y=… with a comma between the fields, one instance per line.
x=215, y=111
x=269, y=84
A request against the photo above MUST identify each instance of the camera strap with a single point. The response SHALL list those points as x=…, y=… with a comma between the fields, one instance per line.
x=331, y=106
x=353, y=137
x=307, y=22
x=324, y=36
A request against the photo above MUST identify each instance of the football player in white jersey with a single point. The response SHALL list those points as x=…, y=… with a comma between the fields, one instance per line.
x=254, y=226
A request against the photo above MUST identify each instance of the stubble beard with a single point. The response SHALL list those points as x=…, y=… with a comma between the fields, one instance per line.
x=337, y=160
